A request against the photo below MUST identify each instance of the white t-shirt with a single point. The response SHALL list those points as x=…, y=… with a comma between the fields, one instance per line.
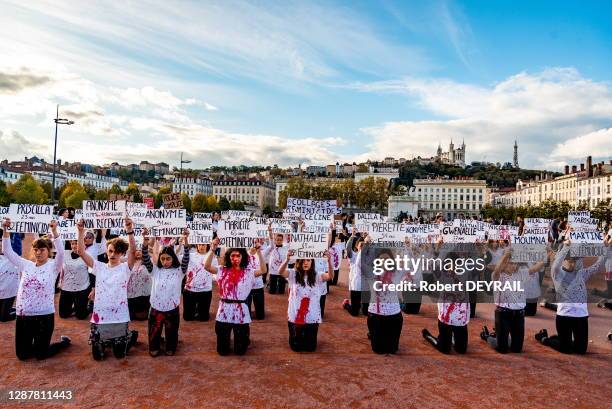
x=198, y=279
x=166, y=289
x=96, y=249
x=276, y=257
x=304, y=306
x=532, y=285
x=140, y=283
x=9, y=278
x=454, y=313
x=321, y=267
x=355, y=272
x=336, y=252
x=75, y=275
x=36, y=290
x=386, y=302
x=513, y=300
x=254, y=264
x=234, y=285
x=110, y=301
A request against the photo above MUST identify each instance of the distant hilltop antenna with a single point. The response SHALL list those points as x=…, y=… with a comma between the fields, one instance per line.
x=515, y=161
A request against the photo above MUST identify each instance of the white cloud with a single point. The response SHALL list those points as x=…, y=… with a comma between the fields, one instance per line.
x=210, y=107
x=541, y=110
x=597, y=143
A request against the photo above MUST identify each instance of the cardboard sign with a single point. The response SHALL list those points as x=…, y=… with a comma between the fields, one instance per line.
x=462, y=231
x=230, y=214
x=281, y=226
x=166, y=222
x=200, y=231
x=29, y=218
x=308, y=245
x=318, y=217
x=150, y=202
x=587, y=244
x=137, y=212
x=202, y=216
x=172, y=201
x=3, y=211
x=105, y=214
x=537, y=223
x=307, y=206
x=528, y=253
x=582, y=221
x=67, y=229
x=237, y=233
x=500, y=231
x=422, y=233
x=387, y=232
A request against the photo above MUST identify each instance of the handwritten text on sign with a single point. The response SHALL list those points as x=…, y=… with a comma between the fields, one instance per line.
x=28, y=218
x=105, y=214
x=308, y=245
x=237, y=233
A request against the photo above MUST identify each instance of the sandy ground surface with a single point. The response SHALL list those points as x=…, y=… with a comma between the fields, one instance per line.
x=342, y=373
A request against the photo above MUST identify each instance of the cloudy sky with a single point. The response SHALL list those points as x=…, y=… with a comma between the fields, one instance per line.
x=306, y=82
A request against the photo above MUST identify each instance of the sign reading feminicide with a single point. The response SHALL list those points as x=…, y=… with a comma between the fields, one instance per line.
x=166, y=222
x=387, y=232
x=30, y=218
x=587, y=244
x=308, y=245
x=67, y=229
x=237, y=233
x=200, y=231
x=172, y=201
x=281, y=226
x=105, y=214
x=306, y=206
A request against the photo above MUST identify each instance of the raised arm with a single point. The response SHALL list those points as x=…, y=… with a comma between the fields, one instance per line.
x=185, y=260
x=81, y=249
x=349, y=245
x=330, y=269
x=282, y=271
x=209, y=258
x=146, y=258
x=595, y=267
x=262, y=262
x=129, y=229
x=558, y=261
x=13, y=257
x=59, y=247
x=501, y=265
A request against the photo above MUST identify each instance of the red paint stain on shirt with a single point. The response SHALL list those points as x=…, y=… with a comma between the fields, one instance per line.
x=300, y=316
x=96, y=318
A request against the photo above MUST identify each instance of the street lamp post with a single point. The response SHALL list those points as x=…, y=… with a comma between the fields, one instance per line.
x=58, y=121
x=181, y=174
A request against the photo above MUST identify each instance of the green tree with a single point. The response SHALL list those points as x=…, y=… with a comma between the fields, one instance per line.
x=5, y=196
x=115, y=190
x=99, y=194
x=27, y=190
x=76, y=199
x=603, y=211
x=236, y=205
x=267, y=210
x=68, y=190
x=93, y=193
x=212, y=205
x=186, y=202
x=224, y=204
x=132, y=190
x=198, y=203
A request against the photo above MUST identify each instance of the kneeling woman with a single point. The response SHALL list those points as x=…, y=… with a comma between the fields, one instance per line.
x=35, y=309
x=236, y=280
x=110, y=318
x=167, y=277
x=304, y=311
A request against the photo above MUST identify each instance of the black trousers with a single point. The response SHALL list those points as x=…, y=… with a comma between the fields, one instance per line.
x=241, y=337
x=196, y=305
x=303, y=337
x=139, y=308
x=336, y=276
x=356, y=304
x=322, y=304
x=444, y=341
x=256, y=296
x=531, y=307
x=7, y=312
x=385, y=331
x=572, y=335
x=74, y=301
x=509, y=329
x=169, y=322
x=411, y=302
x=33, y=337
x=277, y=284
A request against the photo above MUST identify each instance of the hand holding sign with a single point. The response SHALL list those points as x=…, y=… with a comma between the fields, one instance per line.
x=53, y=226
x=6, y=224
x=214, y=244
x=290, y=254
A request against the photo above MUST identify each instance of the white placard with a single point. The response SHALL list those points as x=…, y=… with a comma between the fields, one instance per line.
x=200, y=231
x=237, y=233
x=29, y=218
x=308, y=245
x=387, y=232
x=105, y=214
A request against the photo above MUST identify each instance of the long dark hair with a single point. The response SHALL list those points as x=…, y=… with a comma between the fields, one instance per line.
x=311, y=274
x=169, y=250
x=244, y=262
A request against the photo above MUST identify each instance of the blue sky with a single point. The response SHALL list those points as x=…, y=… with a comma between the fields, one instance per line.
x=307, y=82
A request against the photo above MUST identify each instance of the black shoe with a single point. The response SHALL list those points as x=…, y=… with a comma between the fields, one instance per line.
x=65, y=340
x=133, y=338
x=425, y=332
x=541, y=335
x=369, y=336
x=609, y=336
x=485, y=333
